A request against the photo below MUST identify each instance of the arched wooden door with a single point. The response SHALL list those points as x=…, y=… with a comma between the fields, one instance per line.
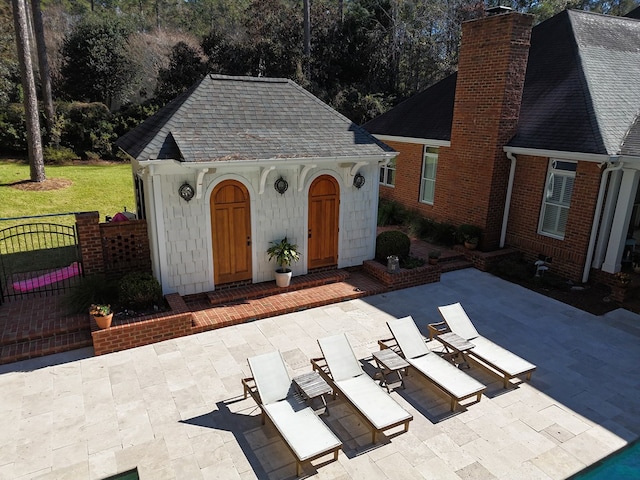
x=231, y=232
x=324, y=212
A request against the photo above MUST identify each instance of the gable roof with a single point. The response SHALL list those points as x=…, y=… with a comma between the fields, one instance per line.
x=581, y=92
x=224, y=118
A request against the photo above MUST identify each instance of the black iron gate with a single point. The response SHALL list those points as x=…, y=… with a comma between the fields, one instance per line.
x=38, y=258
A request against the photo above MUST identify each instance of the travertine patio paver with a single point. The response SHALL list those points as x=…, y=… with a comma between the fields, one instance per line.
x=175, y=409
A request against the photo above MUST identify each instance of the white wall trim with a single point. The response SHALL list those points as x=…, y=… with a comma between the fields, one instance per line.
x=432, y=142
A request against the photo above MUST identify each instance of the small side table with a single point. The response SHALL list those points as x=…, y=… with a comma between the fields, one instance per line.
x=455, y=345
x=311, y=385
x=389, y=361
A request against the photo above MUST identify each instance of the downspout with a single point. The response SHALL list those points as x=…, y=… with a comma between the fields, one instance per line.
x=596, y=217
x=507, y=202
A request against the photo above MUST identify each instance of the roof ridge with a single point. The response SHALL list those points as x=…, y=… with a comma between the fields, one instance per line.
x=586, y=84
x=335, y=112
x=246, y=78
x=574, y=11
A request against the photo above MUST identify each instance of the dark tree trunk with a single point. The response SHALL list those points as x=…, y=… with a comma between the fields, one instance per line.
x=307, y=38
x=45, y=72
x=34, y=142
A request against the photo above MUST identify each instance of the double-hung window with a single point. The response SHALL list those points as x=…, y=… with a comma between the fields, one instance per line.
x=557, y=198
x=428, y=177
x=388, y=174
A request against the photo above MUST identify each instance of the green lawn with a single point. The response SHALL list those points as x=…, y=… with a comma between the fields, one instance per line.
x=106, y=188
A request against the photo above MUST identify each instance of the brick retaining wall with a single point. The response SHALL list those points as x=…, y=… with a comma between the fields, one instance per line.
x=154, y=328
x=404, y=278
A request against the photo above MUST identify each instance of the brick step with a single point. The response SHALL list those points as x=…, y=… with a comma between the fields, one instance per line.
x=39, y=347
x=357, y=286
x=265, y=289
x=457, y=264
x=42, y=329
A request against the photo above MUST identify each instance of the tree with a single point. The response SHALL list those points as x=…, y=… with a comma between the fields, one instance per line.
x=34, y=142
x=186, y=67
x=274, y=36
x=9, y=69
x=43, y=67
x=96, y=67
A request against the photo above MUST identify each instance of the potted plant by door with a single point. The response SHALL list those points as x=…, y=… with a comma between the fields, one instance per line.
x=102, y=314
x=285, y=253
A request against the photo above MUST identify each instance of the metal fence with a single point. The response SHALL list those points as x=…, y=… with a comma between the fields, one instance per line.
x=38, y=257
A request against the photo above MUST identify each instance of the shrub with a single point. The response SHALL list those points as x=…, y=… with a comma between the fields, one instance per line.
x=13, y=135
x=139, y=290
x=444, y=233
x=92, y=289
x=412, y=262
x=515, y=270
x=468, y=233
x=87, y=127
x=58, y=155
x=392, y=242
x=390, y=213
x=423, y=228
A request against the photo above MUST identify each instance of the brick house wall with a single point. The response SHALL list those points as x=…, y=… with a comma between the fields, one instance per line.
x=472, y=174
x=408, y=172
x=568, y=255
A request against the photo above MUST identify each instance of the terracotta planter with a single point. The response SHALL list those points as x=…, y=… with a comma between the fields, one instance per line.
x=433, y=261
x=103, y=321
x=470, y=246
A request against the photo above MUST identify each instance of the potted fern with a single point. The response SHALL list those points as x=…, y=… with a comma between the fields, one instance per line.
x=285, y=253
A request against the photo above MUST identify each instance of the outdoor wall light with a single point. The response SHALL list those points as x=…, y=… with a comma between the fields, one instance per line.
x=281, y=185
x=186, y=191
x=358, y=180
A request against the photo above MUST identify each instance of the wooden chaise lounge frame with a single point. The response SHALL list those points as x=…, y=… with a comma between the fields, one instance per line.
x=503, y=363
x=322, y=367
x=277, y=387
x=438, y=371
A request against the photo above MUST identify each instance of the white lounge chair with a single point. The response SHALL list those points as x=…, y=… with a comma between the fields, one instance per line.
x=443, y=374
x=303, y=432
x=487, y=354
x=341, y=368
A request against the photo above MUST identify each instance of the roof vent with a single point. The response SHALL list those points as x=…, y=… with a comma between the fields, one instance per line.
x=499, y=10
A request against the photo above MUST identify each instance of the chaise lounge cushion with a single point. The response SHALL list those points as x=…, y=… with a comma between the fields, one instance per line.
x=381, y=410
x=506, y=363
x=301, y=428
x=305, y=433
x=435, y=368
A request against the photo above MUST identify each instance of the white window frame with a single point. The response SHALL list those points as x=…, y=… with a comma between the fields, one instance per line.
x=557, y=170
x=386, y=171
x=423, y=179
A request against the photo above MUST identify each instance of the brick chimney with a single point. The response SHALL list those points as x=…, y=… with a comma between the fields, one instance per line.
x=473, y=172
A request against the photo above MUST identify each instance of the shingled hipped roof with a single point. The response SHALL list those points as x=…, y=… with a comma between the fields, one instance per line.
x=245, y=118
x=581, y=91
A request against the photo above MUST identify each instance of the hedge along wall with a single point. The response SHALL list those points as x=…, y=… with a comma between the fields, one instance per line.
x=115, y=248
